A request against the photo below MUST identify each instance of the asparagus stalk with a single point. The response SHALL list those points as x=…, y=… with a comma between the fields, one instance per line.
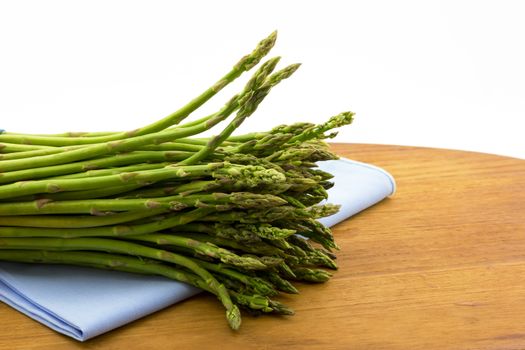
x=254, y=248
x=204, y=248
x=77, y=221
x=105, y=261
x=137, y=157
x=316, y=132
x=294, y=129
x=142, y=266
x=216, y=201
x=257, y=216
x=311, y=275
x=182, y=188
x=16, y=148
x=261, y=88
x=315, y=255
x=97, y=244
x=46, y=150
x=256, y=284
x=221, y=231
x=245, y=64
x=97, y=193
x=114, y=170
x=280, y=283
x=107, y=231
x=138, y=177
x=131, y=142
x=129, y=191
x=247, y=233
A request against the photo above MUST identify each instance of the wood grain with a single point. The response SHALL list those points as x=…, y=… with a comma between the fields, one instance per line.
x=441, y=265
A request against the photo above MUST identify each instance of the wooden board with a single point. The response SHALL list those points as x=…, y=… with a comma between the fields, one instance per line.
x=441, y=265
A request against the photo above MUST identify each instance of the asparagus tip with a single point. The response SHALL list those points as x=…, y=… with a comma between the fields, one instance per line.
x=234, y=317
x=262, y=49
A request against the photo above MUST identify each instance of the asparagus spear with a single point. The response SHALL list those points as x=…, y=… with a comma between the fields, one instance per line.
x=143, y=266
x=315, y=255
x=245, y=63
x=221, y=231
x=138, y=177
x=260, y=89
x=254, y=248
x=242, y=176
x=204, y=248
x=97, y=193
x=131, y=142
x=32, y=252
x=311, y=275
x=316, y=132
x=78, y=168
x=16, y=148
x=129, y=191
x=78, y=221
x=217, y=201
x=129, y=229
x=46, y=150
x=280, y=283
x=257, y=216
x=256, y=284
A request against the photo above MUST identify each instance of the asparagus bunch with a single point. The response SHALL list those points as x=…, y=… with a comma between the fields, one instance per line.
x=234, y=215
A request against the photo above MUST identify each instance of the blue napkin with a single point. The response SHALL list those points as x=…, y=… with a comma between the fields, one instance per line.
x=83, y=302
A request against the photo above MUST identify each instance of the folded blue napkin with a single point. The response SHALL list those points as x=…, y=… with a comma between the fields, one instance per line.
x=84, y=302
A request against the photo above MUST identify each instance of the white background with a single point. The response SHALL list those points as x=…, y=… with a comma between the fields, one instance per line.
x=447, y=74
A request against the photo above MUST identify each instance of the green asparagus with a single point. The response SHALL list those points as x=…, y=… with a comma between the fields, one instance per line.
x=232, y=214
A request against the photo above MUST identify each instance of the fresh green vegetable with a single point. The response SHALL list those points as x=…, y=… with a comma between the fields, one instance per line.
x=234, y=215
